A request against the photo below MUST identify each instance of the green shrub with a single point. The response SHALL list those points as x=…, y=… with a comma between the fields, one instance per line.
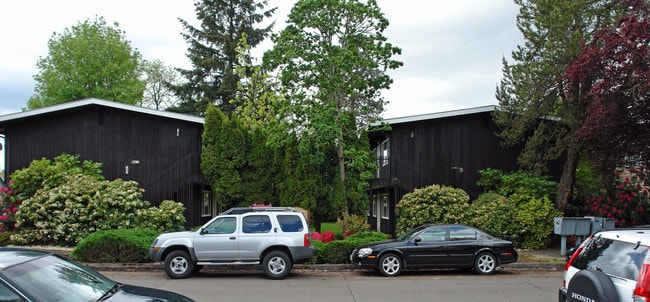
x=5, y=238
x=535, y=218
x=352, y=224
x=115, y=246
x=338, y=251
x=495, y=214
x=432, y=204
x=168, y=217
x=67, y=213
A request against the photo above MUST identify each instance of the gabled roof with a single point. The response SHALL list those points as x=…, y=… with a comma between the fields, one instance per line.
x=98, y=102
x=437, y=115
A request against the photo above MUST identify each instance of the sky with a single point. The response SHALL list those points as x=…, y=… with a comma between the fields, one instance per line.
x=451, y=50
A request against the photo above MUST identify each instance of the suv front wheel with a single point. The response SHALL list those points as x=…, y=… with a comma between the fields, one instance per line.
x=277, y=265
x=178, y=265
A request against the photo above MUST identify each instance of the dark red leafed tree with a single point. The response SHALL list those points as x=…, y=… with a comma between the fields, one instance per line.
x=613, y=74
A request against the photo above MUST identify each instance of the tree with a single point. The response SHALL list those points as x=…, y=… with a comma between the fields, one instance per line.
x=332, y=58
x=224, y=155
x=212, y=51
x=536, y=106
x=90, y=60
x=159, y=78
x=613, y=73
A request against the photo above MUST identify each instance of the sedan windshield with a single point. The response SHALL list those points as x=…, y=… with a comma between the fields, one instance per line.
x=410, y=233
x=51, y=278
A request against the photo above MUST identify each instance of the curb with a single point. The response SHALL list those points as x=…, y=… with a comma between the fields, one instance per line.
x=311, y=267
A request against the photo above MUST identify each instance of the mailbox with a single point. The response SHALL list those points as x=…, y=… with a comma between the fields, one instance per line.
x=572, y=226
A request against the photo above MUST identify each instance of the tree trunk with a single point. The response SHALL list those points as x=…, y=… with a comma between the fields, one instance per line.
x=565, y=188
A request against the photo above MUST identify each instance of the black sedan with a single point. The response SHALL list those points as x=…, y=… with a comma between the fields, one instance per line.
x=436, y=246
x=30, y=275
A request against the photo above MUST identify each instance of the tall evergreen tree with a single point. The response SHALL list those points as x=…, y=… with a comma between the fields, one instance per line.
x=536, y=106
x=212, y=51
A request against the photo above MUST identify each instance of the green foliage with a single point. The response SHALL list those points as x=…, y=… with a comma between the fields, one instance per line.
x=535, y=217
x=519, y=182
x=495, y=214
x=43, y=172
x=90, y=60
x=432, y=204
x=532, y=87
x=334, y=79
x=212, y=51
x=159, y=78
x=115, y=246
x=516, y=206
x=65, y=214
x=352, y=224
x=169, y=216
x=5, y=237
x=338, y=251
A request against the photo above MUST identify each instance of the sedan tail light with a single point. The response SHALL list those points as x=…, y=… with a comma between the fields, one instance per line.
x=642, y=289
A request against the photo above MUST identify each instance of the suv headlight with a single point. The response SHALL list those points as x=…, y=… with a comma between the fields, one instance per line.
x=364, y=252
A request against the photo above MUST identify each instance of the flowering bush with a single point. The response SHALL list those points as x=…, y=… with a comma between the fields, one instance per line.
x=65, y=214
x=628, y=207
x=432, y=204
x=8, y=208
x=351, y=224
x=325, y=237
x=169, y=216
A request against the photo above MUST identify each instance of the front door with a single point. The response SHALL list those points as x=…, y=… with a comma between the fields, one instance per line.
x=428, y=248
x=218, y=241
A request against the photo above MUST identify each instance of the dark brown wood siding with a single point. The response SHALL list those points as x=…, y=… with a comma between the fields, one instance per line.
x=161, y=154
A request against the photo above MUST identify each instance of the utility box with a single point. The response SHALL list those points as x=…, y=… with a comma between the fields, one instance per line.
x=572, y=226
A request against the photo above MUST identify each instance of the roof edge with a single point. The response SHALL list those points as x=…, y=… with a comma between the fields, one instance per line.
x=100, y=102
x=437, y=115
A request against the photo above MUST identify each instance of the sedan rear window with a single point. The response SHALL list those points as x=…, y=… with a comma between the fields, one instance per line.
x=613, y=257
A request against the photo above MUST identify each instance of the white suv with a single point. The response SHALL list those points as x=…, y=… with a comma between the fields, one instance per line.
x=274, y=237
x=612, y=265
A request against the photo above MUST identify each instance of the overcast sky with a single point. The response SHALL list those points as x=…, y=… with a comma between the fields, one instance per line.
x=451, y=50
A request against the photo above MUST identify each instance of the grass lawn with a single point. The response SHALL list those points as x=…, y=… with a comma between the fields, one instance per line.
x=332, y=227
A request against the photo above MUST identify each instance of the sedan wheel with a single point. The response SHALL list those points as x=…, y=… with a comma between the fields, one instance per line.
x=485, y=264
x=390, y=265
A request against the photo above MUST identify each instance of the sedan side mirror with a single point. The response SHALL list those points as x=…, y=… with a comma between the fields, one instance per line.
x=417, y=240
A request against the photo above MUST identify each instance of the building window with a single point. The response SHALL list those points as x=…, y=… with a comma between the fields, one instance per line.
x=374, y=205
x=384, y=206
x=206, y=210
x=383, y=153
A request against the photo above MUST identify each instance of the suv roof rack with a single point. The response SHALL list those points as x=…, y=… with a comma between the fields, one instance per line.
x=243, y=210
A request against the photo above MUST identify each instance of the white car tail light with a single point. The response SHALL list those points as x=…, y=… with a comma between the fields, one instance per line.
x=642, y=289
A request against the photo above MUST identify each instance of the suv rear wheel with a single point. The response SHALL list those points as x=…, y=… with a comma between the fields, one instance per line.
x=178, y=265
x=277, y=265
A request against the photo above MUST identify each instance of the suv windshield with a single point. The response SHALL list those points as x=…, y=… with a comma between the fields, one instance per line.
x=613, y=257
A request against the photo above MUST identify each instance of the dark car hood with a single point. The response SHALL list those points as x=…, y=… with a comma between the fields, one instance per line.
x=137, y=293
x=381, y=244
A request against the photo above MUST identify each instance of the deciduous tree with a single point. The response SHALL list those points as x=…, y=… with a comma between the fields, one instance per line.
x=159, y=79
x=89, y=60
x=536, y=105
x=332, y=58
x=613, y=74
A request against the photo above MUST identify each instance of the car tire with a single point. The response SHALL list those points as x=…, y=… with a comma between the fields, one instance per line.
x=485, y=263
x=178, y=265
x=591, y=285
x=277, y=265
x=390, y=265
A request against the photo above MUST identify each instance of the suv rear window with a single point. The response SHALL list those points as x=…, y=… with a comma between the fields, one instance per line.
x=613, y=257
x=290, y=223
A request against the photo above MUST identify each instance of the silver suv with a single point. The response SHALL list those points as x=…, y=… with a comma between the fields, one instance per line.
x=274, y=237
x=612, y=265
